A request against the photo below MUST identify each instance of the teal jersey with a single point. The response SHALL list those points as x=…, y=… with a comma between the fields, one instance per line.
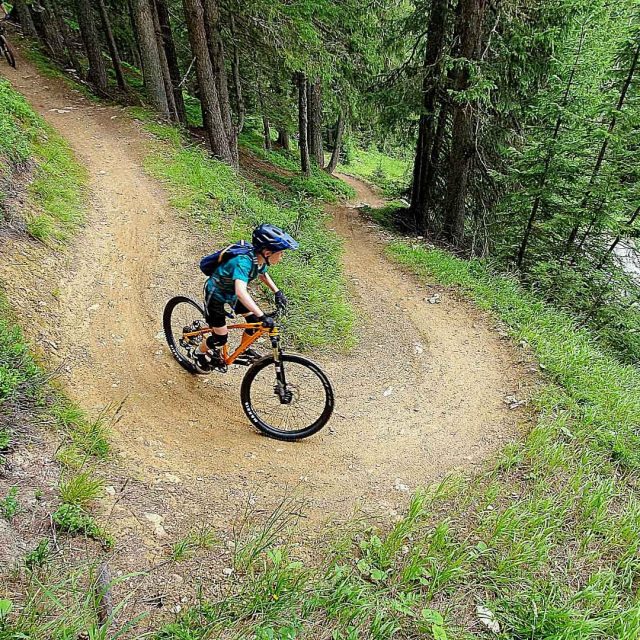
x=221, y=285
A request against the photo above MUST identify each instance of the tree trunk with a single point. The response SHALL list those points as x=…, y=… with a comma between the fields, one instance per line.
x=71, y=59
x=164, y=65
x=26, y=21
x=469, y=31
x=433, y=168
x=172, y=58
x=267, y=133
x=97, y=71
x=603, y=150
x=115, y=56
x=302, y=124
x=283, y=139
x=237, y=82
x=314, y=121
x=420, y=200
x=137, y=56
x=216, y=52
x=52, y=31
x=335, y=156
x=549, y=157
x=211, y=114
x=151, y=65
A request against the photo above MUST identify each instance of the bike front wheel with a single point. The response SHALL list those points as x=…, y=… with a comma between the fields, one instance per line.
x=291, y=411
x=8, y=53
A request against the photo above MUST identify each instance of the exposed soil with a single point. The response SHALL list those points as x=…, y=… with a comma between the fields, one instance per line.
x=423, y=393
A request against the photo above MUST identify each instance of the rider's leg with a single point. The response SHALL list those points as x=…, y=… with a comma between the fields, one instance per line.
x=208, y=354
x=249, y=317
x=241, y=310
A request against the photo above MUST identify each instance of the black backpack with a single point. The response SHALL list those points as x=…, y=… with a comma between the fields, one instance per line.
x=210, y=263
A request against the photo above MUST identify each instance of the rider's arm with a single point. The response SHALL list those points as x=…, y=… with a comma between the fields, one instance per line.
x=266, y=279
x=246, y=299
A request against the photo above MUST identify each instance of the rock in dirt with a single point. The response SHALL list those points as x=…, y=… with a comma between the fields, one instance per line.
x=487, y=618
x=156, y=520
x=513, y=403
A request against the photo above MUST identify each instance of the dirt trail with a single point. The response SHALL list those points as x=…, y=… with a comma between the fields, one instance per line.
x=422, y=394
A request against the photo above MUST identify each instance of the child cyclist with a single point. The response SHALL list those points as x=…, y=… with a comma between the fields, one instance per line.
x=228, y=285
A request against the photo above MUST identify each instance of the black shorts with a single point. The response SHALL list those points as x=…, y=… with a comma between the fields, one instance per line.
x=217, y=316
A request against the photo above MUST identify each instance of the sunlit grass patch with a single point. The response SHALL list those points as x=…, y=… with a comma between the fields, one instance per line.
x=392, y=175
x=57, y=190
x=81, y=489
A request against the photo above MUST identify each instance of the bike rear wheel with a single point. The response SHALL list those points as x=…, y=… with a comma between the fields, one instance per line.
x=8, y=52
x=309, y=397
x=182, y=315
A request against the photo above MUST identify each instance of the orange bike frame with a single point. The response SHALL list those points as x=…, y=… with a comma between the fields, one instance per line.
x=246, y=342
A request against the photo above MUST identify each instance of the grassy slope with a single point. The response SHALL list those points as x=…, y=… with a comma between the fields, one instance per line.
x=546, y=539
x=57, y=185
x=212, y=193
x=319, y=185
x=55, y=195
x=392, y=175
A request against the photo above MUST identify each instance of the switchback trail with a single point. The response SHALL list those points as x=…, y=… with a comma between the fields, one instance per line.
x=423, y=393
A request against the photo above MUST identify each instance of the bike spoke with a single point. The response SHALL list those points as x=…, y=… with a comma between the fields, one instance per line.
x=185, y=315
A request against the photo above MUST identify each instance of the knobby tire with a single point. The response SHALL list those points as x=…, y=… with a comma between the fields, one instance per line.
x=271, y=430
x=8, y=52
x=198, y=312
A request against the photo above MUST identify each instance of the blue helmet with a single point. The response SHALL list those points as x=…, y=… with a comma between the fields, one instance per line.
x=266, y=236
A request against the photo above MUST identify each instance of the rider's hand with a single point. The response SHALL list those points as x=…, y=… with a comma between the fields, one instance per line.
x=281, y=300
x=267, y=321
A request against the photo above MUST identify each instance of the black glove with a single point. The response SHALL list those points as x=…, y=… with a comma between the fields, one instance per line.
x=267, y=321
x=281, y=300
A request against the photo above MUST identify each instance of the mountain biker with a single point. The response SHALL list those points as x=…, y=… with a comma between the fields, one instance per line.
x=228, y=285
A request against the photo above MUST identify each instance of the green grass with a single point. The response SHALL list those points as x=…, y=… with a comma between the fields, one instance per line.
x=9, y=505
x=82, y=489
x=201, y=538
x=84, y=440
x=57, y=188
x=62, y=603
x=73, y=519
x=319, y=184
x=212, y=193
x=56, y=193
x=392, y=175
x=39, y=556
x=18, y=371
x=50, y=69
x=545, y=539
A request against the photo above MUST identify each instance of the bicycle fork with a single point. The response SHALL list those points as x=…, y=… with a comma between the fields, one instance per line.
x=280, y=388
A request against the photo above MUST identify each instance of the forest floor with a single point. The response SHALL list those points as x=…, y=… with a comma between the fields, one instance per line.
x=427, y=390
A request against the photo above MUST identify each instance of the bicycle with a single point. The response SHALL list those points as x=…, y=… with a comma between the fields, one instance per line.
x=285, y=396
x=5, y=49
